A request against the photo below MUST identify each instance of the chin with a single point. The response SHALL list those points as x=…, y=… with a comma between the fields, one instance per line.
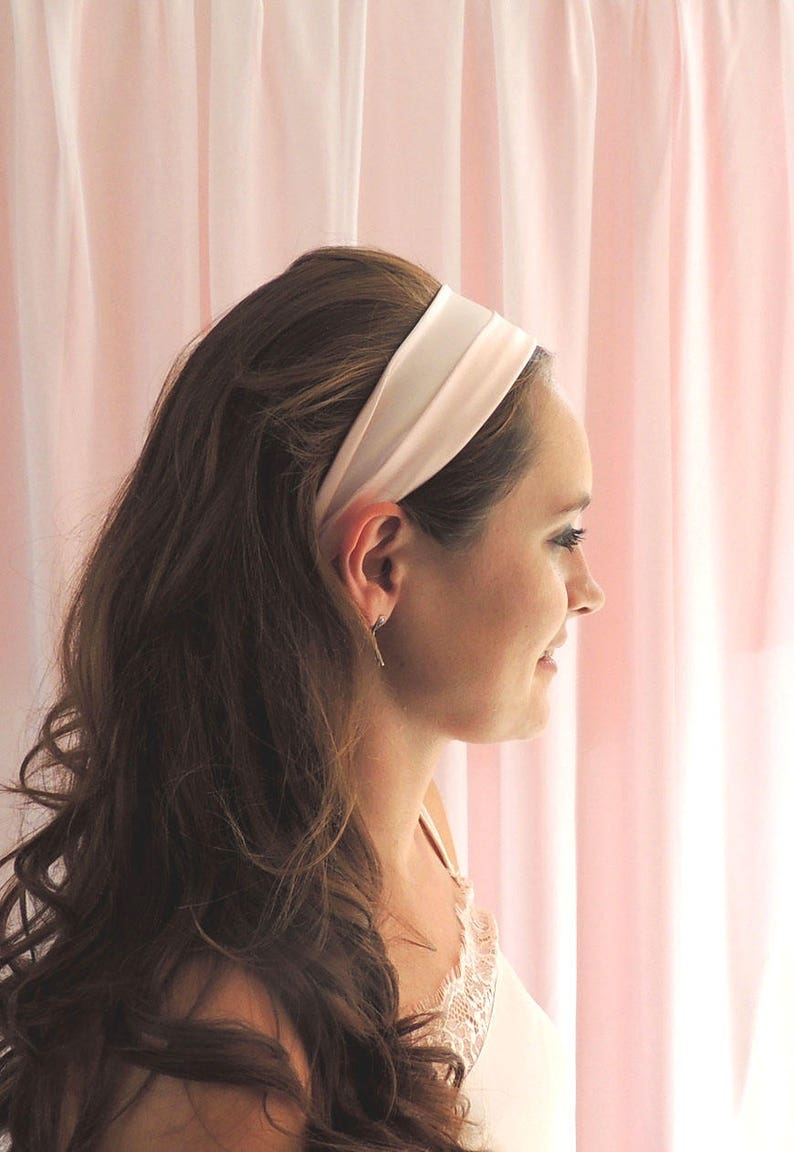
x=531, y=730
x=536, y=724
x=522, y=728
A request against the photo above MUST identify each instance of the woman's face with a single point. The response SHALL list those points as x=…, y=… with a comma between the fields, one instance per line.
x=467, y=633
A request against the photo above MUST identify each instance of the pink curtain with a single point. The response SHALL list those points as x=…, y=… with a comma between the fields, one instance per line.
x=615, y=177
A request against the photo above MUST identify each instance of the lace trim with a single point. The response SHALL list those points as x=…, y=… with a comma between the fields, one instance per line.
x=466, y=996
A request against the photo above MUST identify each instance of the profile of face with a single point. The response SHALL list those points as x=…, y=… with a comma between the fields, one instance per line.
x=466, y=632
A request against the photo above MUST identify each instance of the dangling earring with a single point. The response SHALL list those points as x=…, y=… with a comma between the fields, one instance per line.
x=378, y=624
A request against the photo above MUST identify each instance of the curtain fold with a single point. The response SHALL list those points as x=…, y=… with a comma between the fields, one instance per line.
x=616, y=178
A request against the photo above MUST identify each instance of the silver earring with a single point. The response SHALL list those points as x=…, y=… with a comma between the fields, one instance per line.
x=378, y=624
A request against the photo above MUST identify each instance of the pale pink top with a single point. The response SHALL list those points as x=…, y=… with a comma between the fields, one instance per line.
x=516, y=1073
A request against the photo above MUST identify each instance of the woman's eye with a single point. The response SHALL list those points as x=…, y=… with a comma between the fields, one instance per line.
x=571, y=538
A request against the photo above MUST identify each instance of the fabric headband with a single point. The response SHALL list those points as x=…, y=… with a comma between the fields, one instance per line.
x=447, y=377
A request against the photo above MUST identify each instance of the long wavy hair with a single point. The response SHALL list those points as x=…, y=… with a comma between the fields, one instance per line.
x=197, y=764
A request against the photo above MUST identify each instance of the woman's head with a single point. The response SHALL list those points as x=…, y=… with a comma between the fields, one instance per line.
x=466, y=627
x=213, y=667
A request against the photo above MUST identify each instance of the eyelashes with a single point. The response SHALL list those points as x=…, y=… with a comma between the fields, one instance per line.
x=571, y=538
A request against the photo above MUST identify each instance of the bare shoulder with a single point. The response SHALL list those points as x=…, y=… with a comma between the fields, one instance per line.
x=435, y=806
x=188, y=1116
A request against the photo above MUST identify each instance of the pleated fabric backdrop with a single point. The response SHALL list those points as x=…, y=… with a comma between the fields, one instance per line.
x=614, y=176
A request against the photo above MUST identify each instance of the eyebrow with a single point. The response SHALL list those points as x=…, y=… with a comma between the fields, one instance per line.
x=579, y=506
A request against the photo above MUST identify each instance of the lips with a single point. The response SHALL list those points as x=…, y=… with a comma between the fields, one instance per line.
x=557, y=644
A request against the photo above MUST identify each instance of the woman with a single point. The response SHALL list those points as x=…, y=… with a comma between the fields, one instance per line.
x=347, y=540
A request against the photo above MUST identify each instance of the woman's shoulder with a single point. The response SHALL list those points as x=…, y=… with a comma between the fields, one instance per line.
x=191, y=1116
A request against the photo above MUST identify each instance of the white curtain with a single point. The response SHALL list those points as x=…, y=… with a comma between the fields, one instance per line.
x=614, y=176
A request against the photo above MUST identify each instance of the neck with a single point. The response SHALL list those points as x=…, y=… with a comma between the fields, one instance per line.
x=394, y=767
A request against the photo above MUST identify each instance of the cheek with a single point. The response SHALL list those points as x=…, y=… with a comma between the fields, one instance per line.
x=542, y=604
x=496, y=607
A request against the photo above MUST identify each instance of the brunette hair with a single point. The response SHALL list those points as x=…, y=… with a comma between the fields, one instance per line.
x=197, y=762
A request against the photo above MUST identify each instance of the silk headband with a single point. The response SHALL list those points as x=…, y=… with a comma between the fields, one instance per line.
x=446, y=378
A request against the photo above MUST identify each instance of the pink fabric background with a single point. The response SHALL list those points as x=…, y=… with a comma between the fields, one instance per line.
x=615, y=177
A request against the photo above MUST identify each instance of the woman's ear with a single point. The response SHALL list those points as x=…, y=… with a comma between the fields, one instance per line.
x=370, y=558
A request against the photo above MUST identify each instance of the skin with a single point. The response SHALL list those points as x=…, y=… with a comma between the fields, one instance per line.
x=464, y=633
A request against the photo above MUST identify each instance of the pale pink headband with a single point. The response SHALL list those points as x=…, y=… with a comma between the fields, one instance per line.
x=446, y=378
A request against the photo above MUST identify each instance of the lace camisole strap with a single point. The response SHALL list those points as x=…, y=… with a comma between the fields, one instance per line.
x=466, y=997
x=438, y=843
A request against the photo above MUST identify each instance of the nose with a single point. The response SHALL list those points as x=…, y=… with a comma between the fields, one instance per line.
x=585, y=594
